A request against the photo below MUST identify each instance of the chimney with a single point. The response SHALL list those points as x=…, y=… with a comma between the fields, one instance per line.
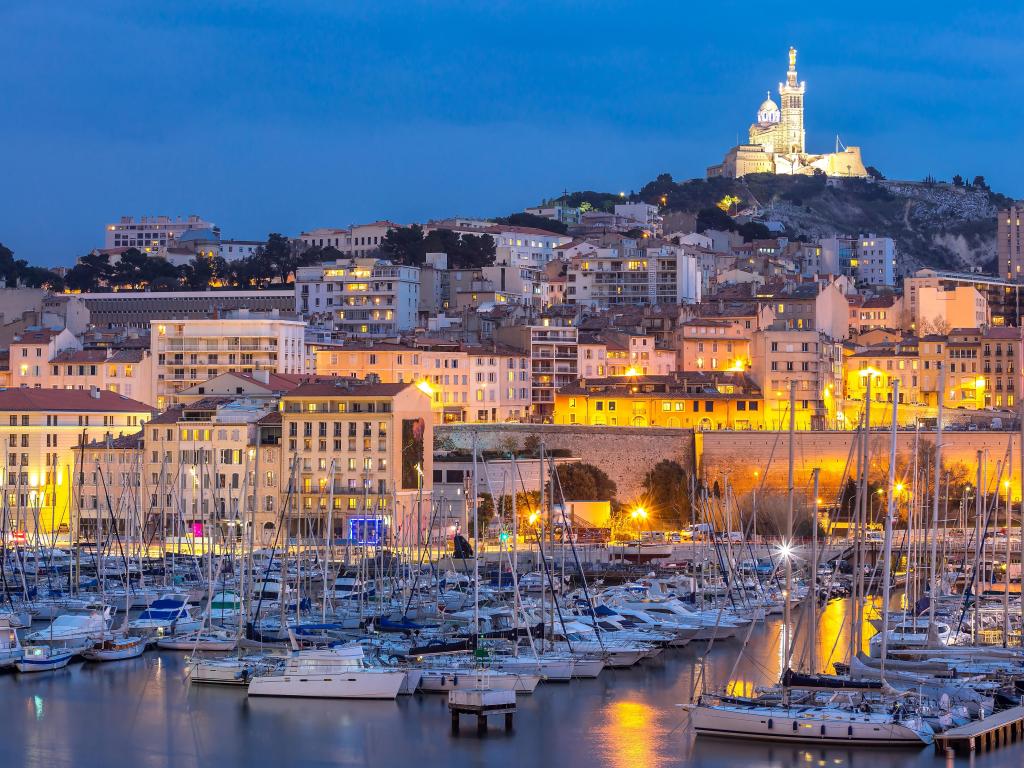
x=94, y=393
x=262, y=376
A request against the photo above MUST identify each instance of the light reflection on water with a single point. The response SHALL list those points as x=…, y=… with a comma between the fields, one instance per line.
x=140, y=714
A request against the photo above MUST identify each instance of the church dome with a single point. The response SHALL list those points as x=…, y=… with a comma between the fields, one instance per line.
x=768, y=112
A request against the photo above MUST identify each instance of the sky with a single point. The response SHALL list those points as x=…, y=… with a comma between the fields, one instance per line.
x=285, y=115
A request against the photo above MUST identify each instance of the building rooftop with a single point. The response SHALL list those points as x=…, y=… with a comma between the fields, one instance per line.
x=80, y=400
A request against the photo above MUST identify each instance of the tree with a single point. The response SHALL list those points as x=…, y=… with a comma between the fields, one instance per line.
x=524, y=219
x=404, y=245
x=753, y=230
x=585, y=482
x=203, y=270
x=958, y=180
x=91, y=272
x=713, y=217
x=668, y=492
x=279, y=256
x=874, y=173
x=980, y=183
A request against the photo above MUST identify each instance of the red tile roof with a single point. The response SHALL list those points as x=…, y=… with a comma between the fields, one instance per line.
x=84, y=400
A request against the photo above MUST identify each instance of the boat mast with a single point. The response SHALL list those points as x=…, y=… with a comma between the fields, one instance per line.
x=788, y=541
x=889, y=515
x=813, y=635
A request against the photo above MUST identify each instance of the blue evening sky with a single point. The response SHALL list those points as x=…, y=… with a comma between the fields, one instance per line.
x=284, y=115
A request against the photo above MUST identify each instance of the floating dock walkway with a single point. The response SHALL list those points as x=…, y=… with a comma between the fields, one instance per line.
x=994, y=731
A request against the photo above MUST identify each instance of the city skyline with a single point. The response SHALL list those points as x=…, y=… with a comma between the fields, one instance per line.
x=323, y=117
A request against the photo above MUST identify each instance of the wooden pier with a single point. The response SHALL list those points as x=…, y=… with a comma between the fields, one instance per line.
x=481, y=703
x=994, y=731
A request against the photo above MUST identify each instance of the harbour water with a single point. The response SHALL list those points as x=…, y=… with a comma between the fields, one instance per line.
x=142, y=713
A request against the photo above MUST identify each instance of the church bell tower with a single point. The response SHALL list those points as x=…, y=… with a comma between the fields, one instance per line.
x=791, y=95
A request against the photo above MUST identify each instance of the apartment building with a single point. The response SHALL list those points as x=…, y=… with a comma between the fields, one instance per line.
x=614, y=353
x=464, y=383
x=708, y=344
x=524, y=246
x=690, y=400
x=41, y=429
x=627, y=271
x=360, y=296
x=128, y=372
x=810, y=359
x=189, y=351
x=941, y=308
x=360, y=453
x=1009, y=236
x=205, y=466
x=150, y=233
x=553, y=353
x=1003, y=296
x=30, y=353
x=869, y=259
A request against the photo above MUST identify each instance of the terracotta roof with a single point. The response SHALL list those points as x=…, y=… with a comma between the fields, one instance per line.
x=278, y=382
x=879, y=302
x=84, y=400
x=274, y=417
x=39, y=336
x=170, y=416
x=345, y=388
x=134, y=355
x=80, y=356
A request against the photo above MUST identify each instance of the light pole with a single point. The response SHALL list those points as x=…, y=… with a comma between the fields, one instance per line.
x=639, y=514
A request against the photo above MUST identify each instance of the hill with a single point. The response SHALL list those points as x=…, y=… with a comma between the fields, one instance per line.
x=934, y=224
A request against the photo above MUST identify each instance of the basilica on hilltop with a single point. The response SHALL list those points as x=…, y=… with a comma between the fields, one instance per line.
x=776, y=140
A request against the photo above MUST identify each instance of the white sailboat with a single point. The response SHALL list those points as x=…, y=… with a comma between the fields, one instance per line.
x=333, y=673
x=10, y=647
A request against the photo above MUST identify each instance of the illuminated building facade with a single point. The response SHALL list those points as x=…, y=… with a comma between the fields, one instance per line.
x=688, y=400
x=359, y=297
x=41, y=430
x=363, y=450
x=776, y=140
x=189, y=351
x=464, y=383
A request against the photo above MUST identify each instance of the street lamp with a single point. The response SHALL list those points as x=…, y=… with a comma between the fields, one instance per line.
x=639, y=514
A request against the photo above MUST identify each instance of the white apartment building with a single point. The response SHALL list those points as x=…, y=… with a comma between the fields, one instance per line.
x=869, y=259
x=188, y=351
x=150, y=233
x=525, y=246
x=647, y=216
x=362, y=296
x=633, y=272
x=614, y=353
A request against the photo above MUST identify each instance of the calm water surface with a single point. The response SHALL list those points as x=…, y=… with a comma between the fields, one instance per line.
x=141, y=713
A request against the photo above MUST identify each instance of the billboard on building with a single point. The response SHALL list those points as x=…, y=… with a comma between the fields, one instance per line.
x=412, y=452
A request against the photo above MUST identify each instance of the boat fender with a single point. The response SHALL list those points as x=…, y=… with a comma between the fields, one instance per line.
x=770, y=723
x=794, y=725
x=455, y=680
x=849, y=730
x=823, y=729
x=442, y=681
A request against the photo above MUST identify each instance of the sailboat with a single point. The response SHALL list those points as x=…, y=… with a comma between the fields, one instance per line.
x=815, y=708
x=331, y=673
